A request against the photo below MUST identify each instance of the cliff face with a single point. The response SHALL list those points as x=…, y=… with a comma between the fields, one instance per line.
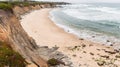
x=12, y=32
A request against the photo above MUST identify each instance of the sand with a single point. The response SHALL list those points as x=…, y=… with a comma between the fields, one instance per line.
x=80, y=51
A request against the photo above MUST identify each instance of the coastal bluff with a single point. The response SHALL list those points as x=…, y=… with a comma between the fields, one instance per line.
x=28, y=28
x=12, y=32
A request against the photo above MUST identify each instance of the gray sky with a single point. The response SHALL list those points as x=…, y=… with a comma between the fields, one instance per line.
x=84, y=1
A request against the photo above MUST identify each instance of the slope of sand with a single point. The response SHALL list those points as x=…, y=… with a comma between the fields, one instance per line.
x=81, y=52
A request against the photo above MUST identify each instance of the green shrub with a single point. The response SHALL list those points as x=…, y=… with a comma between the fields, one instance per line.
x=5, y=6
x=16, y=3
x=53, y=62
x=26, y=4
x=10, y=58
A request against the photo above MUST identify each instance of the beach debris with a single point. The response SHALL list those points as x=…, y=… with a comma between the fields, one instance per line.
x=100, y=62
x=110, y=52
x=108, y=40
x=111, y=44
x=93, y=36
x=117, y=56
x=107, y=61
x=117, y=51
x=113, y=65
x=105, y=56
x=84, y=51
x=98, y=49
x=81, y=39
x=74, y=48
x=108, y=47
x=112, y=61
x=91, y=53
x=90, y=45
x=74, y=55
x=83, y=45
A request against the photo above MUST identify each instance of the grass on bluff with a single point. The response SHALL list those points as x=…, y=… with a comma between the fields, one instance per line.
x=10, y=5
x=9, y=57
x=19, y=3
x=5, y=6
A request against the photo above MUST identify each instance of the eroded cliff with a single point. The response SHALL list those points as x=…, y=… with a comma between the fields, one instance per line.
x=12, y=32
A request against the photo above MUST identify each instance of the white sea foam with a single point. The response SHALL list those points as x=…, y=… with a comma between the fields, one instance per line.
x=75, y=6
x=92, y=16
x=107, y=10
x=94, y=13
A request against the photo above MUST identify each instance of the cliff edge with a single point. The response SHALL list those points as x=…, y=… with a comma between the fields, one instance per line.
x=12, y=32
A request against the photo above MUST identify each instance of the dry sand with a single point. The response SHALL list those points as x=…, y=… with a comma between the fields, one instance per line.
x=82, y=53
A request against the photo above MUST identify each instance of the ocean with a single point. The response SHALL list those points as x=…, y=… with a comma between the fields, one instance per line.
x=97, y=22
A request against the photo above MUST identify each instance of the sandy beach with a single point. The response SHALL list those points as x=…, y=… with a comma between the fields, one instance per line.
x=82, y=53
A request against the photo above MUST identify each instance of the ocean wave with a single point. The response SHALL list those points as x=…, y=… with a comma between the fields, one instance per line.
x=86, y=14
x=106, y=9
x=76, y=6
x=87, y=23
x=93, y=13
x=86, y=34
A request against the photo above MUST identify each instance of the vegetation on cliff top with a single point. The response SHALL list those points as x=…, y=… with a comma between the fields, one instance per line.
x=5, y=6
x=9, y=5
x=9, y=57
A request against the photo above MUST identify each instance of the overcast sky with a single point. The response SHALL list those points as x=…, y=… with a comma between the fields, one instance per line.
x=84, y=1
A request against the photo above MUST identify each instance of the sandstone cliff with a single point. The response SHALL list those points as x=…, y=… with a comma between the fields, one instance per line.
x=12, y=32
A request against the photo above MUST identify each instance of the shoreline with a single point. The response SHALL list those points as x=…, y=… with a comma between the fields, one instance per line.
x=104, y=39
x=81, y=52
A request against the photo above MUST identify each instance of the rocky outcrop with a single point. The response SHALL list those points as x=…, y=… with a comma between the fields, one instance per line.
x=12, y=32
